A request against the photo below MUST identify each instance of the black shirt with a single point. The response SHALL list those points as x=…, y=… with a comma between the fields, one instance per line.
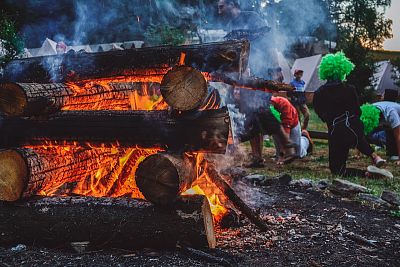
x=333, y=100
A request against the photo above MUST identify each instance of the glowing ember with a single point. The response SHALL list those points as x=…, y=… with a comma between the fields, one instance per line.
x=204, y=186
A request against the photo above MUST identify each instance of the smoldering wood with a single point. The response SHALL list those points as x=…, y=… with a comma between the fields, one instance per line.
x=234, y=198
x=229, y=56
x=29, y=99
x=163, y=177
x=203, y=131
x=107, y=222
x=252, y=83
x=25, y=172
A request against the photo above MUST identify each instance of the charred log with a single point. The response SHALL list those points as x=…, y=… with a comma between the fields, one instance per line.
x=252, y=83
x=225, y=56
x=205, y=131
x=124, y=223
x=27, y=99
x=163, y=177
x=28, y=172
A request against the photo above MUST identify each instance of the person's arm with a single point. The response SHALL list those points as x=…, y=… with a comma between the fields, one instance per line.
x=319, y=106
x=396, y=133
x=354, y=101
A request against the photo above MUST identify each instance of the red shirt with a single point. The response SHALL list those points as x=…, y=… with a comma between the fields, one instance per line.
x=289, y=116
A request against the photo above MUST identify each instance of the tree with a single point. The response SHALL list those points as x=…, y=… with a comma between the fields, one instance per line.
x=10, y=42
x=361, y=27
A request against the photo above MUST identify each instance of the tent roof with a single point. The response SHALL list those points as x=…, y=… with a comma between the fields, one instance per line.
x=310, y=66
x=383, y=77
x=48, y=48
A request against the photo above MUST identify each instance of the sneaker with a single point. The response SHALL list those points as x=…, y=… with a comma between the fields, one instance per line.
x=379, y=173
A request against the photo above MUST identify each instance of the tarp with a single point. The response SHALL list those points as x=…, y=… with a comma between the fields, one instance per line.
x=383, y=77
x=310, y=66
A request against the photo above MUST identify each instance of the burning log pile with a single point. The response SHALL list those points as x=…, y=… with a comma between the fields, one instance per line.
x=130, y=124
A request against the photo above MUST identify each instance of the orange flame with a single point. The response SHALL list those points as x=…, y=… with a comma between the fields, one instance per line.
x=102, y=170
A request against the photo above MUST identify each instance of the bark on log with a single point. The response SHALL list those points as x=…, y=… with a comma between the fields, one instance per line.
x=252, y=83
x=27, y=172
x=205, y=131
x=112, y=222
x=163, y=177
x=229, y=56
x=184, y=88
x=27, y=99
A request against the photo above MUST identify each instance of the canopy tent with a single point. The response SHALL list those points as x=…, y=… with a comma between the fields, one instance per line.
x=286, y=72
x=310, y=66
x=383, y=77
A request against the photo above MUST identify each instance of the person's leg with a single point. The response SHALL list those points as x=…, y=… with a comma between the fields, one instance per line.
x=306, y=116
x=391, y=147
x=304, y=145
x=340, y=143
x=295, y=138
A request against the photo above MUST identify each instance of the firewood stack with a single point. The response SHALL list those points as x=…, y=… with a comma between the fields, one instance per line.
x=80, y=125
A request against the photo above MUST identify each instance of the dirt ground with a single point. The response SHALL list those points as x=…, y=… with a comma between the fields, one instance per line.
x=310, y=228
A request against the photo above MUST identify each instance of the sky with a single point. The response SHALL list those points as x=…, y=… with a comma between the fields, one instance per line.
x=394, y=14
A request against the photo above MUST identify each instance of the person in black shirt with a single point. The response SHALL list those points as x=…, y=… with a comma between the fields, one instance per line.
x=337, y=104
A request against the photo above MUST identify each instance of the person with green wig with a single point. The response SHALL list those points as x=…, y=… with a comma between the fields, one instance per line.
x=386, y=114
x=337, y=104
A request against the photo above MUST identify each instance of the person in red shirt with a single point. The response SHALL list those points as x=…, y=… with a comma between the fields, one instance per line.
x=291, y=124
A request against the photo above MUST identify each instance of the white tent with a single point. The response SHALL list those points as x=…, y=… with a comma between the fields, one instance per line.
x=287, y=74
x=383, y=77
x=48, y=48
x=310, y=66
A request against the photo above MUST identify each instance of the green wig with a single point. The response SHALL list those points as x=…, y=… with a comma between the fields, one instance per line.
x=335, y=67
x=370, y=116
x=276, y=113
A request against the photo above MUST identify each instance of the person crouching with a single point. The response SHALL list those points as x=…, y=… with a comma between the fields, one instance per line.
x=287, y=114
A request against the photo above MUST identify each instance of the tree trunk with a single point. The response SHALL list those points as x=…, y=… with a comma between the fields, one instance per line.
x=184, y=88
x=112, y=222
x=144, y=62
x=27, y=172
x=163, y=177
x=28, y=99
x=205, y=131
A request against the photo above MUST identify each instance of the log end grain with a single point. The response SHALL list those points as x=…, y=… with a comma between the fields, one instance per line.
x=158, y=179
x=184, y=88
x=12, y=99
x=13, y=173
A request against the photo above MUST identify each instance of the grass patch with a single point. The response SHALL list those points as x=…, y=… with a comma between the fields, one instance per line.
x=315, y=166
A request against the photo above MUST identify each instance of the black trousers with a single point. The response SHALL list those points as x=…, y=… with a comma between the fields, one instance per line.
x=342, y=137
x=391, y=146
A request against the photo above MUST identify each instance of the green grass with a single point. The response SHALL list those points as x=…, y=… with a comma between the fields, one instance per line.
x=315, y=166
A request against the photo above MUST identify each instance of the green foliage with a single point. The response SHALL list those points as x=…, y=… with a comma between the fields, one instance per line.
x=370, y=117
x=276, y=113
x=395, y=213
x=10, y=42
x=164, y=35
x=335, y=67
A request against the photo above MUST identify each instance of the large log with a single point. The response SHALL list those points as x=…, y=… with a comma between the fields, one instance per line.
x=163, y=177
x=225, y=56
x=112, y=222
x=27, y=99
x=26, y=172
x=184, y=88
x=205, y=131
